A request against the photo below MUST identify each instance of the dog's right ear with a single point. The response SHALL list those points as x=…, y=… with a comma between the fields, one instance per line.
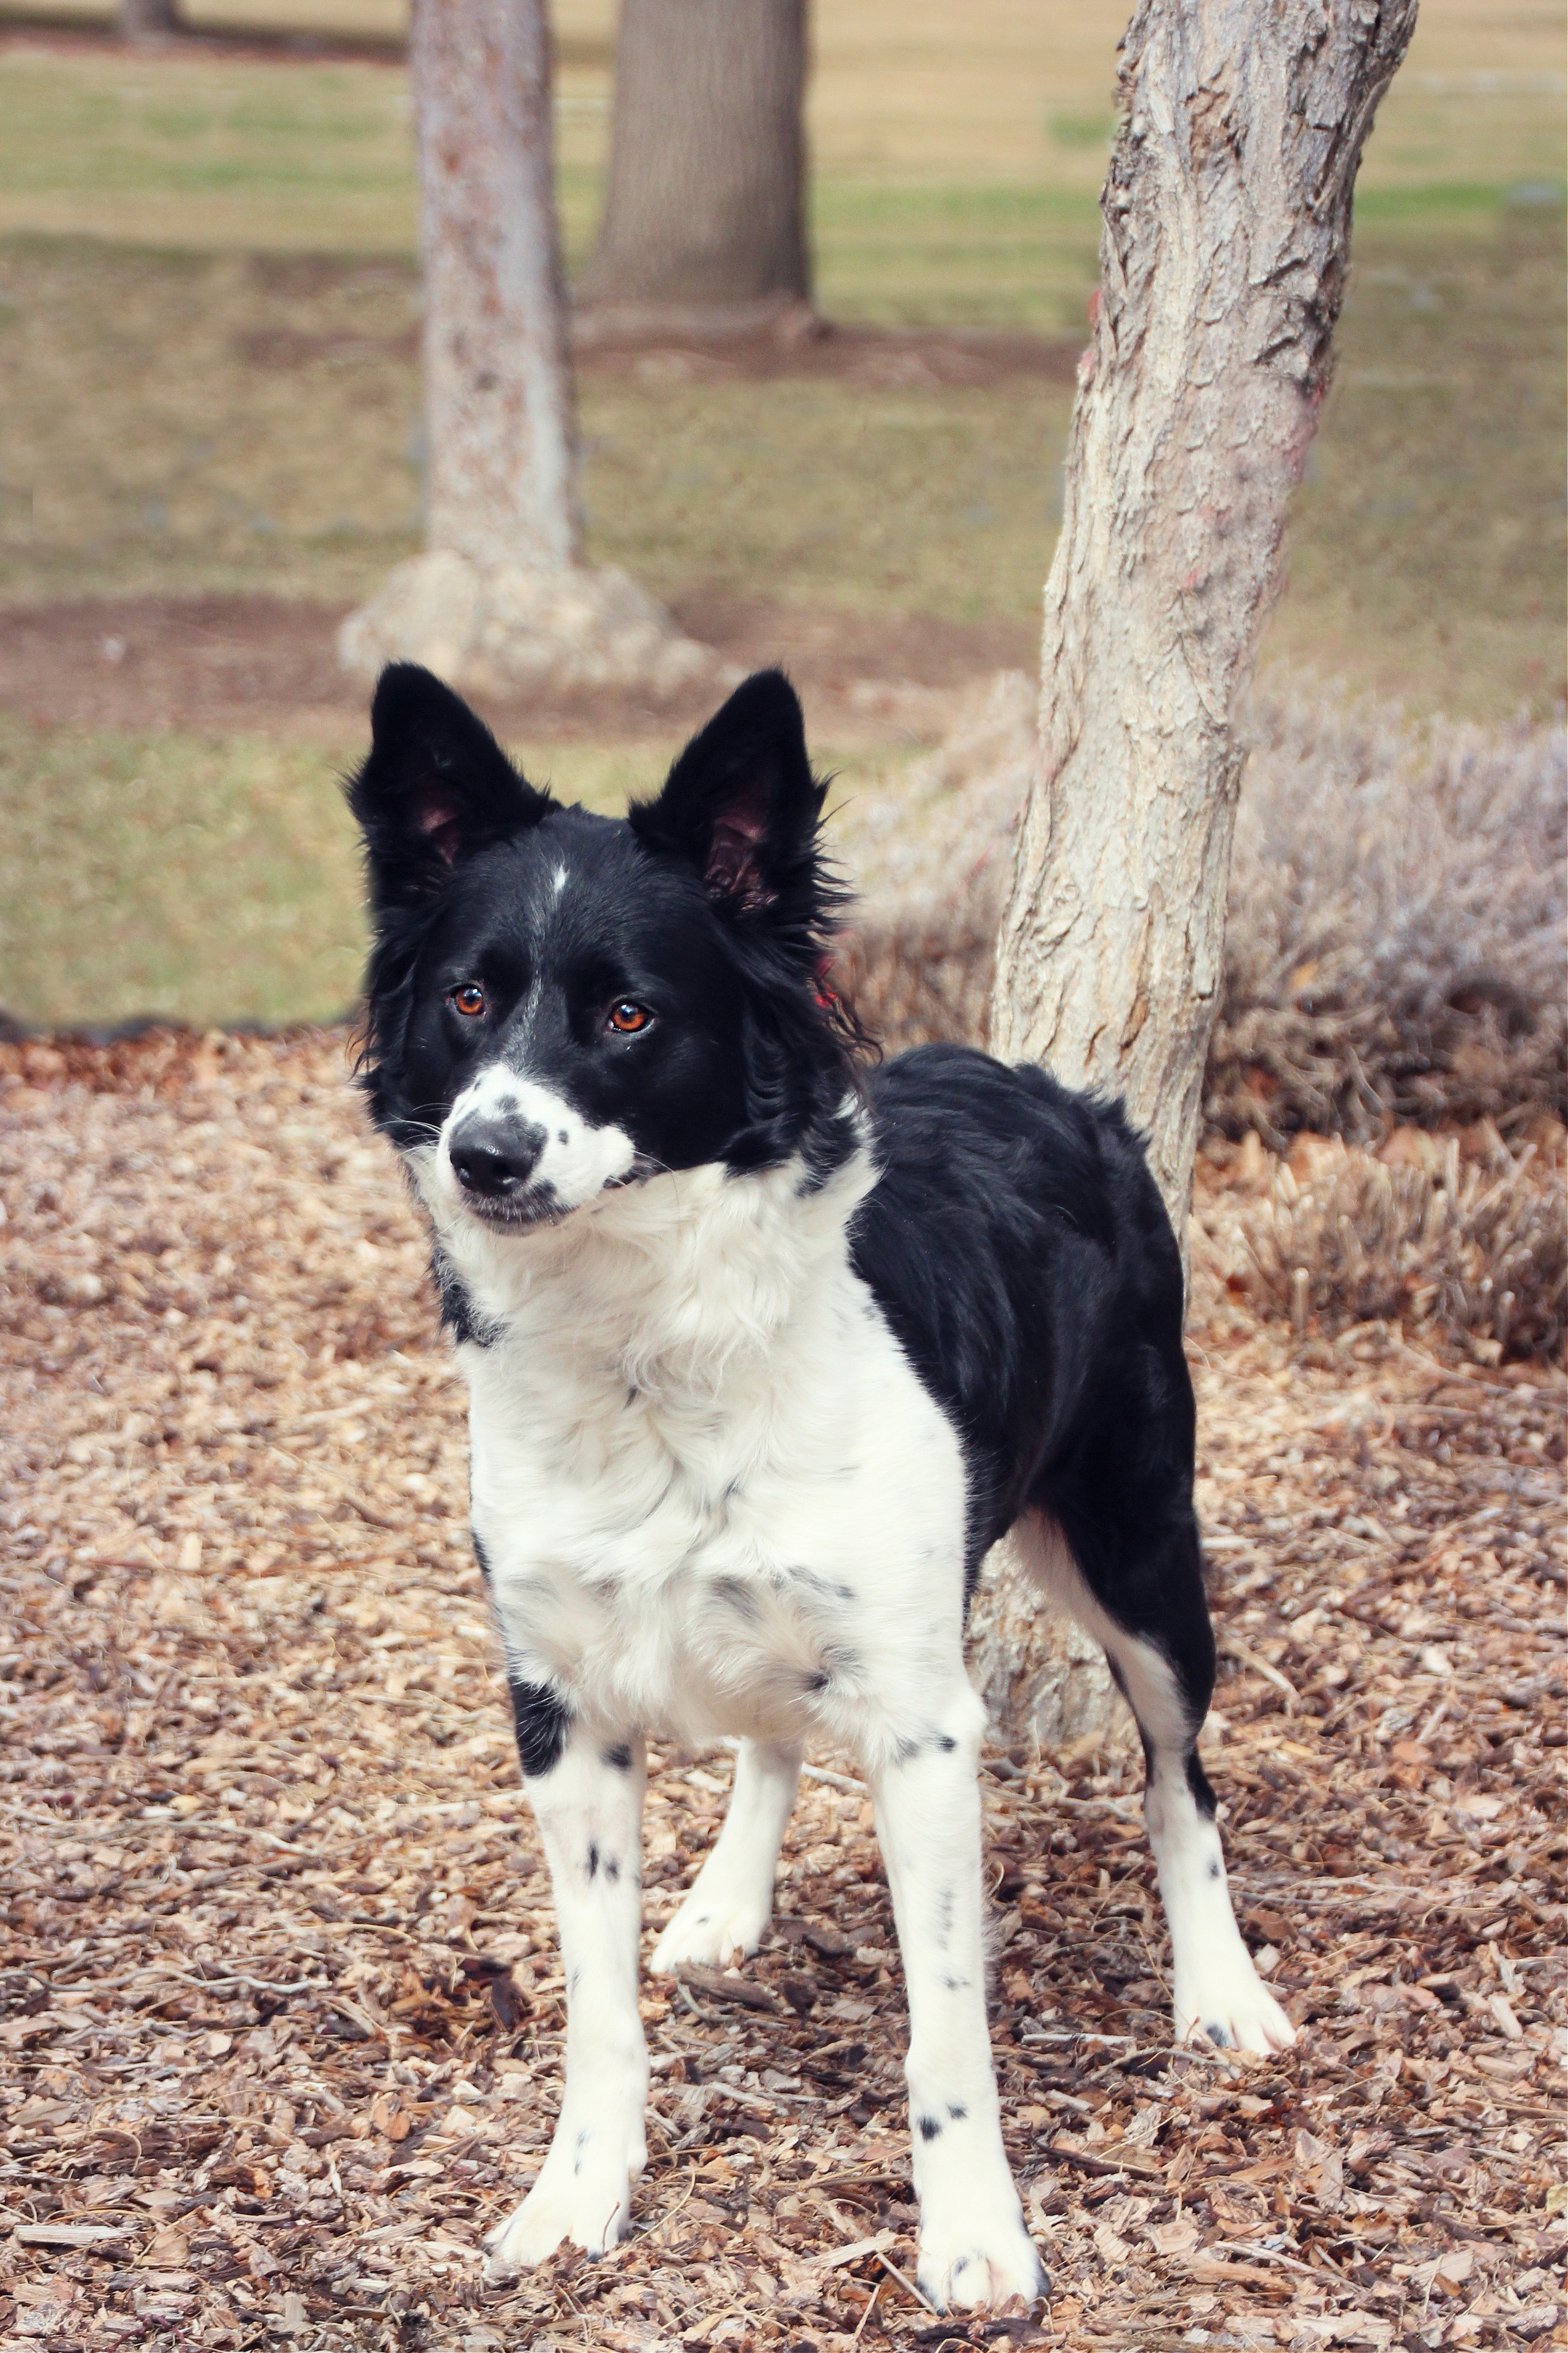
x=435, y=787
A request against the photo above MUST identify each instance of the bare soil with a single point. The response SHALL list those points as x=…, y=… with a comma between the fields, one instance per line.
x=224, y=665
x=282, y=2008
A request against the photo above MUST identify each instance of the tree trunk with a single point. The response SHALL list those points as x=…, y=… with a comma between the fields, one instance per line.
x=1227, y=220
x=706, y=209
x=501, y=603
x=141, y=20
x=498, y=389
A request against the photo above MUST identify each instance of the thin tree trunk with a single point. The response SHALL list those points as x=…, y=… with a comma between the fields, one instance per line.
x=142, y=20
x=1227, y=221
x=706, y=206
x=501, y=602
x=498, y=387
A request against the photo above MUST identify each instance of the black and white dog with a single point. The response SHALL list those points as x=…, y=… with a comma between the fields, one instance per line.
x=763, y=1354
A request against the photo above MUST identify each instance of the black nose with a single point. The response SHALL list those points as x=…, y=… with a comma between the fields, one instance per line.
x=495, y=1158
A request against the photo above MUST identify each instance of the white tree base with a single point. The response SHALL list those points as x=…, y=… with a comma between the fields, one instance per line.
x=512, y=631
x=1045, y=1682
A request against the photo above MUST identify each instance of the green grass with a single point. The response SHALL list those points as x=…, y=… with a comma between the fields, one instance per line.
x=222, y=422
x=208, y=318
x=201, y=881
x=206, y=880
x=215, y=880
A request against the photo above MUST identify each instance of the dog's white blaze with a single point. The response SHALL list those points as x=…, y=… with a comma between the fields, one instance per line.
x=578, y=1160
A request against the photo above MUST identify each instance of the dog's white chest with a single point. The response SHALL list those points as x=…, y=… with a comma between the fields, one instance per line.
x=718, y=1539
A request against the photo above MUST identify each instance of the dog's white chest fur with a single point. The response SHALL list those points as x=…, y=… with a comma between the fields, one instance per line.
x=706, y=1480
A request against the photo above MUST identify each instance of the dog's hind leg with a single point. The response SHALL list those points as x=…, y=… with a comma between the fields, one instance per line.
x=727, y=1912
x=1151, y=1616
x=973, y=2247
x=586, y=1792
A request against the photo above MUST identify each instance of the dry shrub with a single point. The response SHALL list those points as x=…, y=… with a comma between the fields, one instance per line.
x=1394, y=945
x=1396, y=940
x=931, y=863
x=1469, y=1252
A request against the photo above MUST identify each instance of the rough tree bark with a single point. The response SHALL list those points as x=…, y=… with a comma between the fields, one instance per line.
x=501, y=601
x=704, y=221
x=1223, y=246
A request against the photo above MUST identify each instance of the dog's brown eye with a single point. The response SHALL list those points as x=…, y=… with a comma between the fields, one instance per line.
x=469, y=999
x=628, y=1016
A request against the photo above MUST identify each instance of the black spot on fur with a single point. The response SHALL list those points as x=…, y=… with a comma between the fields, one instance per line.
x=946, y=1742
x=957, y=2111
x=592, y=1861
x=929, y=2128
x=619, y=1756
x=459, y=1314
x=612, y=1868
x=542, y=1721
x=1214, y=1871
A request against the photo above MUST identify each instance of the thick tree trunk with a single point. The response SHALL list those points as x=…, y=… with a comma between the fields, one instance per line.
x=141, y=20
x=501, y=603
x=706, y=209
x=1227, y=220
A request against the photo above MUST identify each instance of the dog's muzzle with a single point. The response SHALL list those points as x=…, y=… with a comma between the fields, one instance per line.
x=494, y=1161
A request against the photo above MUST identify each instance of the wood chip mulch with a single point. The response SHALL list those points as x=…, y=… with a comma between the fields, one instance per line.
x=280, y=2011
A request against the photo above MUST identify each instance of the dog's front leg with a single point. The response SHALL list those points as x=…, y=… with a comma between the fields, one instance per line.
x=973, y=2247
x=588, y=1804
x=726, y=1915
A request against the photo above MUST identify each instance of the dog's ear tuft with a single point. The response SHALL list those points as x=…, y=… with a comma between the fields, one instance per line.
x=741, y=802
x=435, y=787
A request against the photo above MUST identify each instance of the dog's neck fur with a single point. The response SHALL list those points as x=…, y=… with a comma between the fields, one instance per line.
x=676, y=1288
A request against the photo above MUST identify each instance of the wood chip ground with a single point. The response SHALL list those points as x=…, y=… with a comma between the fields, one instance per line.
x=280, y=2011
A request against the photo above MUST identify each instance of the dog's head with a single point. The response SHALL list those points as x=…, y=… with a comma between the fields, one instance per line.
x=560, y=1004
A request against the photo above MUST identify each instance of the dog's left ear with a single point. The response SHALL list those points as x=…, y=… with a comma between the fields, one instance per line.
x=741, y=802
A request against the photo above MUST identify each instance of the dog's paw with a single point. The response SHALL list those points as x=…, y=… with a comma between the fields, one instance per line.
x=1228, y=2002
x=975, y=2254
x=582, y=2194
x=715, y=1926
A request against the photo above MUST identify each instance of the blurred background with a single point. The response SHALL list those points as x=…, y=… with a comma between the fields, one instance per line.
x=211, y=441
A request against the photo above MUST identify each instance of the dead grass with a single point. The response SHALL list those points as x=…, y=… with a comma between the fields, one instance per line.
x=283, y=2011
x=1396, y=945
x=1453, y=1241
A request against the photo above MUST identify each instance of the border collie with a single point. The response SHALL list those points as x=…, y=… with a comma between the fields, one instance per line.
x=764, y=1351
